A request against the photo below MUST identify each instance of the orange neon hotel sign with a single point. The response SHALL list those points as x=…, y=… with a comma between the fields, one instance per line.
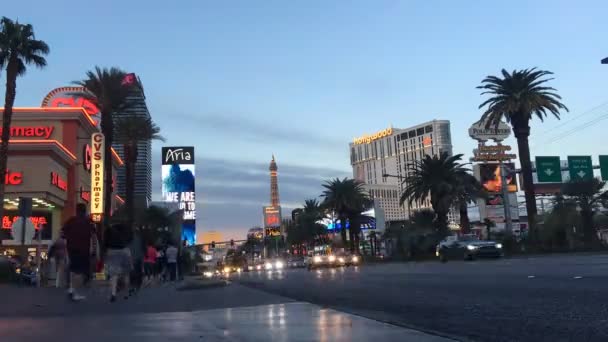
x=368, y=138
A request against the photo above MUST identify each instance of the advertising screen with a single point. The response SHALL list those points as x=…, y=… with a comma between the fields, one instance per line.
x=178, y=186
x=40, y=219
x=491, y=178
x=272, y=221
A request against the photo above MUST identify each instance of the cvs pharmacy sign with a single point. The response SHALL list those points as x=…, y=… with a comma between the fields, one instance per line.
x=97, y=175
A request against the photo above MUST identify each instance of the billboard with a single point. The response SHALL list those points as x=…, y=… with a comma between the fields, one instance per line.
x=490, y=177
x=41, y=219
x=178, y=186
x=272, y=221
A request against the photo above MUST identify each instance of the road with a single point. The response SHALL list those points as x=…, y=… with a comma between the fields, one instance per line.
x=546, y=298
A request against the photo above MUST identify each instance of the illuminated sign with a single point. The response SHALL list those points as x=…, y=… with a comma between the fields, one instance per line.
x=178, y=155
x=178, y=186
x=43, y=132
x=71, y=97
x=41, y=219
x=493, y=153
x=13, y=178
x=484, y=131
x=491, y=178
x=97, y=175
x=427, y=141
x=366, y=139
x=85, y=195
x=86, y=157
x=59, y=182
x=272, y=221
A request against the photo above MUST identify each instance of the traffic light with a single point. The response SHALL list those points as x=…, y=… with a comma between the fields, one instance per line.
x=212, y=244
x=231, y=243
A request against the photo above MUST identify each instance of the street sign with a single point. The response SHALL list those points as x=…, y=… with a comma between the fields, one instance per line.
x=604, y=167
x=548, y=170
x=580, y=167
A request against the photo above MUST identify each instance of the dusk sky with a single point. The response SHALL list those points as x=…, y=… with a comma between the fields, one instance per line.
x=241, y=80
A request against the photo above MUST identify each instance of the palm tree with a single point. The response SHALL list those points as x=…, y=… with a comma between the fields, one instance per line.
x=106, y=90
x=468, y=191
x=130, y=130
x=18, y=48
x=518, y=97
x=587, y=196
x=436, y=178
x=347, y=199
x=308, y=221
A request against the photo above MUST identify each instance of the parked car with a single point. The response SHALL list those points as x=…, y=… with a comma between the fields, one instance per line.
x=467, y=247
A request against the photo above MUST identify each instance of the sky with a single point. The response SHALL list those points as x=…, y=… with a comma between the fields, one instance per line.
x=241, y=80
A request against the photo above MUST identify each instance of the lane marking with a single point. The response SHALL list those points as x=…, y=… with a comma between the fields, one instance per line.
x=578, y=277
x=531, y=277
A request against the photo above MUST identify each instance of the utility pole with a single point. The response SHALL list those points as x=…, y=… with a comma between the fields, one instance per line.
x=505, y=194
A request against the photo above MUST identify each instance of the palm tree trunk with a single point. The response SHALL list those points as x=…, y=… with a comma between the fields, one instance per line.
x=441, y=222
x=522, y=133
x=130, y=161
x=342, y=220
x=464, y=217
x=107, y=127
x=589, y=234
x=7, y=117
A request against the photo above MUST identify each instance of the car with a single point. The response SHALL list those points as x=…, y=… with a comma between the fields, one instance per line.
x=346, y=259
x=273, y=264
x=467, y=248
x=296, y=262
x=331, y=260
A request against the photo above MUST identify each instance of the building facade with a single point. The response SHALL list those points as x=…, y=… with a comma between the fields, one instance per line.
x=49, y=160
x=383, y=159
x=143, y=165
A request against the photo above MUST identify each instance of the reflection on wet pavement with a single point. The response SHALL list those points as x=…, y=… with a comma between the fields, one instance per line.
x=276, y=322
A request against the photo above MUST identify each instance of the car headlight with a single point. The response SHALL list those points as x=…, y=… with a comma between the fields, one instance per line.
x=355, y=258
x=268, y=266
x=278, y=264
x=238, y=270
x=208, y=274
x=250, y=268
x=258, y=267
x=317, y=259
x=332, y=258
x=341, y=260
x=499, y=245
x=226, y=269
x=471, y=247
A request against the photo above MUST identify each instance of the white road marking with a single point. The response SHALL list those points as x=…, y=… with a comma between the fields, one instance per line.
x=531, y=277
x=578, y=277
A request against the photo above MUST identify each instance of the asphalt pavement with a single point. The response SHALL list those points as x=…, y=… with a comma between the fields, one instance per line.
x=545, y=298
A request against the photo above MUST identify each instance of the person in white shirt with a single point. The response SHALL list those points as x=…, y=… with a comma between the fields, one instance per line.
x=172, y=254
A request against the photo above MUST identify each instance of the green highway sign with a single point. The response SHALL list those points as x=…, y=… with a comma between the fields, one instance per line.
x=604, y=167
x=548, y=170
x=580, y=168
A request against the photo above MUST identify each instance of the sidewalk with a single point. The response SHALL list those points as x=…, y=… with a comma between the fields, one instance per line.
x=230, y=313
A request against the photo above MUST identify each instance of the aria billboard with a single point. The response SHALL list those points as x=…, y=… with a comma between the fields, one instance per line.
x=178, y=186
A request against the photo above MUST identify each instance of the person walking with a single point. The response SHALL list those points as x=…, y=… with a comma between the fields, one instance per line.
x=149, y=263
x=118, y=258
x=138, y=250
x=171, y=254
x=58, y=251
x=78, y=232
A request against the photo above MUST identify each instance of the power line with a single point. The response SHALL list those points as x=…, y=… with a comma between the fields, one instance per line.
x=563, y=123
x=578, y=128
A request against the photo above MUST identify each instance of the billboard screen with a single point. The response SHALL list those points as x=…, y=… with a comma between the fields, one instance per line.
x=491, y=178
x=178, y=186
x=272, y=221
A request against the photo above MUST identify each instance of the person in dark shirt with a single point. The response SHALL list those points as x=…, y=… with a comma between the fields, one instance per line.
x=78, y=232
x=118, y=257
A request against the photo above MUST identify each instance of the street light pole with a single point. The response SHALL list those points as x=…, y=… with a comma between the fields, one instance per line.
x=505, y=195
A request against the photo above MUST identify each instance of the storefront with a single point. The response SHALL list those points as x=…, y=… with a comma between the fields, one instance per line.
x=49, y=161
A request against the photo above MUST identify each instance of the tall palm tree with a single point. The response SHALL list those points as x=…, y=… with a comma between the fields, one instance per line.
x=130, y=130
x=436, y=178
x=518, y=97
x=106, y=90
x=468, y=191
x=18, y=48
x=308, y=221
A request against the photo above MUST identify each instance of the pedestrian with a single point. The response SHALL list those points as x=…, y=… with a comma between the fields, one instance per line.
x=58, y=251
x=78, y=232
x=160, y=264
x=118, y=258
x=137, y=254
x=172, y=261
x=149, y=263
